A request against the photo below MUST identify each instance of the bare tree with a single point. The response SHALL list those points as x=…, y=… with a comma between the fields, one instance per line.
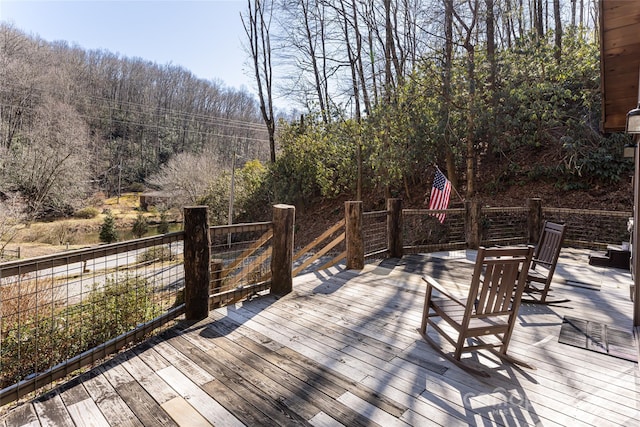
x=257, y=26
x=355, y=66
x=11, y=217
x=50, y=167
x=187, y=176
x=447, y=102
x=467, y=30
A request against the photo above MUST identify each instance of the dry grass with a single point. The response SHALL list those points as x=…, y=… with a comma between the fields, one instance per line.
x=45, y=238
x=22, y=298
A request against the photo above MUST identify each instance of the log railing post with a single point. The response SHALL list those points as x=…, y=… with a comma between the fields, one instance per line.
x=534, y=220
x=473, y=212
x=353, y=235
x=282, y=254
x=394, y=227
x=197, y=252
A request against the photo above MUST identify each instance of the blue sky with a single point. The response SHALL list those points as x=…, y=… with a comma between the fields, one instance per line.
x=203, y=36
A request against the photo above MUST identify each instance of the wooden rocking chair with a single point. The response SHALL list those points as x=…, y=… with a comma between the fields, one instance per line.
x=544, y=263
x=486, y=317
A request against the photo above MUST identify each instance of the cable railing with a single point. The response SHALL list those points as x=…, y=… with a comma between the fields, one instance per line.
x=423, y=232
x=62, y=312
x=240, y=261
x=374, y=230
x=591, y=229
x=503, y=226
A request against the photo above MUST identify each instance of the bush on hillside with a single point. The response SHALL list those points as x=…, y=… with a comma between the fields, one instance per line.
x=86, y=213
x=140, y=226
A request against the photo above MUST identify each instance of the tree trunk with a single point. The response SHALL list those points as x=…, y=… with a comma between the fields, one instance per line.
x=491, y=58
x=257, y=29
x=558, y=31
x=470, y=137
x=356, y=95
x=446, y=91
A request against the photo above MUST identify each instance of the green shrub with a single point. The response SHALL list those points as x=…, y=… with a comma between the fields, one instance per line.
x=122, y=304
x=136, y=187
x=108, y=233
x=86, y=213
x=140, y=226
x=36, y=336
x=163, y=226
x=156, y=253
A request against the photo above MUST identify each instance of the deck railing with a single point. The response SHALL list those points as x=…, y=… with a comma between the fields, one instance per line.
x=323, y=252
x=61, y=312
x=423, y=232
x=64, y=311
x=240, y=261
x=591, y=229
x=375, y=233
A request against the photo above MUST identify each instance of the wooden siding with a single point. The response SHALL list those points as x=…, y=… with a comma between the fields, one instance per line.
x=620, y=61
x=343, y=349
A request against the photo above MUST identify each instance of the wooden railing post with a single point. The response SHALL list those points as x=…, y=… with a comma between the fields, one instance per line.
x=197, y=252
x=473, y=212
x=534, y=220
x=353, y=235
x=394, y=227
x=282, y=255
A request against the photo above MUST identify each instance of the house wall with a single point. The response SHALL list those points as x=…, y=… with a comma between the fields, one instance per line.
x=620, y=61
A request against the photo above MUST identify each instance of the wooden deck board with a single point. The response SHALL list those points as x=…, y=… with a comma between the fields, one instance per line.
x=342, y=349
x=366, y=393
x=86, y=413
x=288, y=385
x=110, y=402
x=184, y=414
x=149, y=380
x=246, y=402
x=265, y=395
x=304, y=369
x=141, y=403
x=208, y=407
x=52, y=411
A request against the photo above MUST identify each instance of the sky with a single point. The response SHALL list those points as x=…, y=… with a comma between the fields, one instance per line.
x=202, y=36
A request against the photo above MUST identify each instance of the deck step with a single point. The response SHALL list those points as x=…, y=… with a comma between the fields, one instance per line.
x=599, y=259
x=615, y=256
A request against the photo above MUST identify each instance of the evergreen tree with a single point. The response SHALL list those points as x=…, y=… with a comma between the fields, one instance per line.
x=108, y=233
x=141, y=226
x=163, y=227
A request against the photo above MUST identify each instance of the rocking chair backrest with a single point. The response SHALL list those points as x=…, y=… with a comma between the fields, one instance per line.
x=497, y=286
x=549, y=245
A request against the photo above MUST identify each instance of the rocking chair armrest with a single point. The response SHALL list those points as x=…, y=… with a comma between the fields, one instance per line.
x=431, y=282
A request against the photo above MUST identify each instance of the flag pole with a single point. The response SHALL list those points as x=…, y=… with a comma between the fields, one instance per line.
x=454, y=188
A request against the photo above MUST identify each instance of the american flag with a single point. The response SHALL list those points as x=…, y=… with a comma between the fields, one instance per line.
x=440, y=192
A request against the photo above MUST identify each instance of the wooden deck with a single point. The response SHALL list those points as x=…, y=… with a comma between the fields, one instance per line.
x=343, y=349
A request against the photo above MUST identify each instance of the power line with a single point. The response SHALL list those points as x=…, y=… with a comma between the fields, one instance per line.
x=233, y=123
x=158, y=126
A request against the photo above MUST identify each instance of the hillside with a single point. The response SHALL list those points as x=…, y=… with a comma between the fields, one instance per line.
x=318, y=216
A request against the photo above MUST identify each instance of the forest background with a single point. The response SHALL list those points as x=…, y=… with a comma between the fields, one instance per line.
x=502, y=95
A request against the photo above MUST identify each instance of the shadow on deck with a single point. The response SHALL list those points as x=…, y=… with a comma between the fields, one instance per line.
x=342, y=348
